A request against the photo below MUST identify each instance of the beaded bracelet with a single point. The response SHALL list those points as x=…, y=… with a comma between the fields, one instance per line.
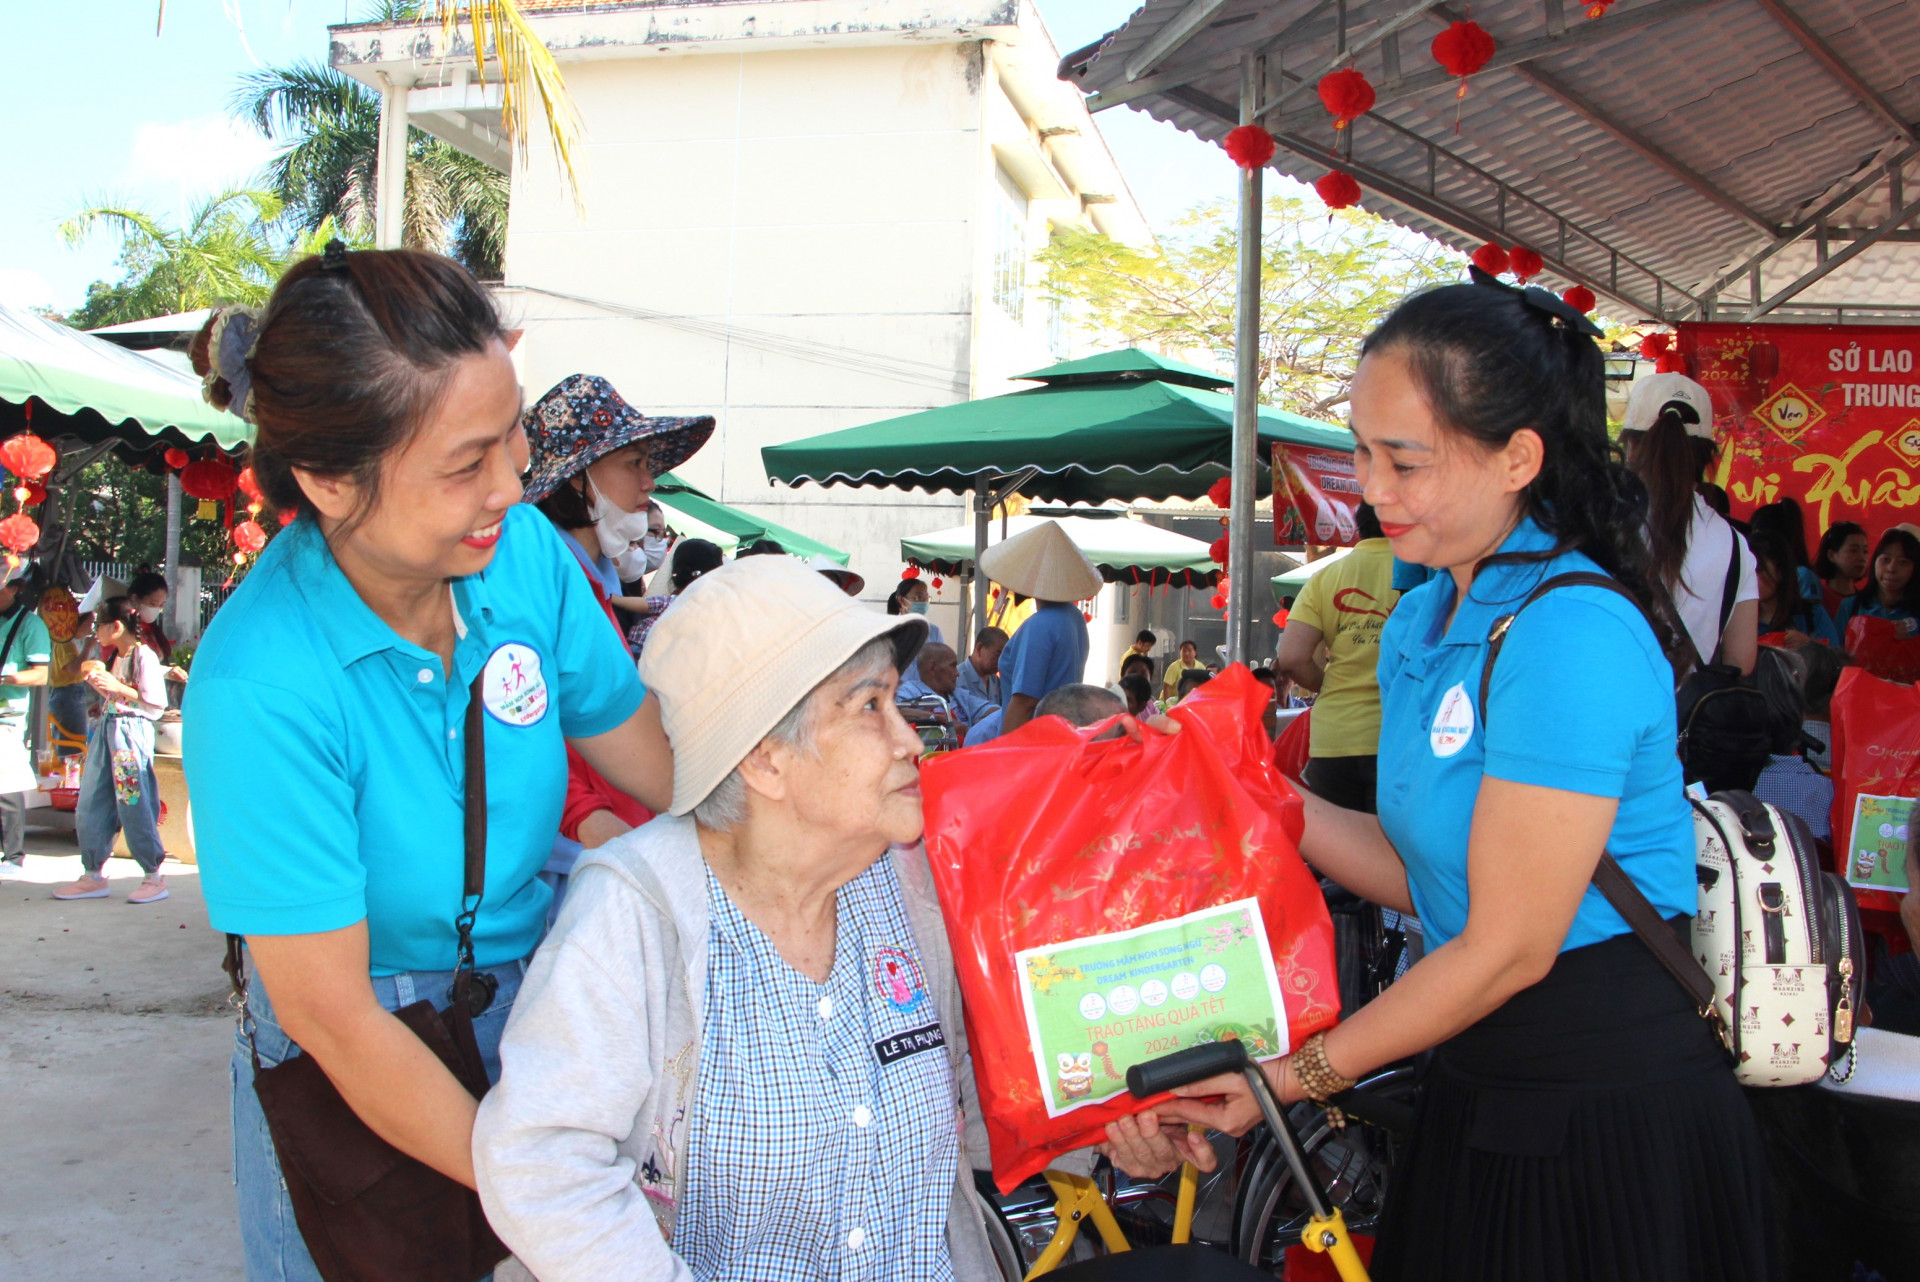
x=1318, y=1078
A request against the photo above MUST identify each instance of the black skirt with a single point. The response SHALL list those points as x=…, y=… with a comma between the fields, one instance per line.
x=1589, y=1129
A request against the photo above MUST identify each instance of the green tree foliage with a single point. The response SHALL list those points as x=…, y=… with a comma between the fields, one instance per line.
x=330, y=127
x=1326, y=282
x=221, y=253
x=119, y=514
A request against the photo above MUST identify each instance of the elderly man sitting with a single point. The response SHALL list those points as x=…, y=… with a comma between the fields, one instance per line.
x=939, y=677
x=741, y=1052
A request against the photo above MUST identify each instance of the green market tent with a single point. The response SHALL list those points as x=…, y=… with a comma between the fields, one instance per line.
x=1290, y=583
x=743, y=527
x=83, y=387
x=1123, y=550
x=1121, y=425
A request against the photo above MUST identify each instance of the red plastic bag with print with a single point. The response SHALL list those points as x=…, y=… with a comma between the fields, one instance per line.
x=1876, y=768
x=1876, y=646
x=1112, y=900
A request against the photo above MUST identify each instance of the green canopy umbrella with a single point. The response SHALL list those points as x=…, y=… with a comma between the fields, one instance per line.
x=1290, y=583
x=1122, y=425
x=1124, y=551
x=80, y=386
x=744, y=527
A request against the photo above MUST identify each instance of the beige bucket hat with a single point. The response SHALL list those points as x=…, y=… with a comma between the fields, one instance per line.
x=1042, y=563
x=740, y=648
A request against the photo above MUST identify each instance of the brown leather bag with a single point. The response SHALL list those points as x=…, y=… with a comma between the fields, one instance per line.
x=367, y=1211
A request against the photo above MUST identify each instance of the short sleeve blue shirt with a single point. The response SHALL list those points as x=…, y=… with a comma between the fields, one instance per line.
x=326, y=754
x=1581, y=701
x=1048, y=651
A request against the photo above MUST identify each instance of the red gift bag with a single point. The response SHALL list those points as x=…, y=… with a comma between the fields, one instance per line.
x=1876, y=773
x=1875, y=647
x=1110, y=901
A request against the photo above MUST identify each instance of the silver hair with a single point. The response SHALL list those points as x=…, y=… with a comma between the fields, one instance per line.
x=725, y=808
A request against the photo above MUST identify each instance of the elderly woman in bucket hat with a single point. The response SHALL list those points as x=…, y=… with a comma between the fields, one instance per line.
x=741, y=1052
x=592, y=464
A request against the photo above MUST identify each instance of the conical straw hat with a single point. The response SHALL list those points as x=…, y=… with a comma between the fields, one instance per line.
x=1042, y=563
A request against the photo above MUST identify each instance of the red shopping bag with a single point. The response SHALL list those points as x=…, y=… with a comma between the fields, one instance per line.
x=1293, y=749
x=1876, y=779
x=1876, y=647
x=1110, y=901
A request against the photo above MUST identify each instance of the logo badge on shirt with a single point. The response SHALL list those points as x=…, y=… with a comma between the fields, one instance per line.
x=512, y=688
x=897, y=977
x=1453, y=723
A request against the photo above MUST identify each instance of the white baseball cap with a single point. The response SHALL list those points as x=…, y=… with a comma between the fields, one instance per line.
x=1655, y=392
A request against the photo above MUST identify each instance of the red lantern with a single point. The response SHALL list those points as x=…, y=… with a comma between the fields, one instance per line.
x=1598, y=8
x=1580, y=297
x=1671, y=363
x=1279, y=618
x=249, y=486
x=1218, y=551
x=1654, y=346
x=18, y=532
x=1525, y=263
x=1491, y=259
x=1463, y=48
x=937, y=585
x=1249, y=146
x=209, y=479
x=176, y=458
x=1220, y=493
x=28, y=457
x=288, y=517
x=911, y=572
x=1219, y=601
x=249, y=537
x=994, y=595
x=1337, y=189
x=1087, y=615
x=1346, y=94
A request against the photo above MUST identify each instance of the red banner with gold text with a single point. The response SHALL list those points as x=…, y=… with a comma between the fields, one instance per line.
x=1826, y=414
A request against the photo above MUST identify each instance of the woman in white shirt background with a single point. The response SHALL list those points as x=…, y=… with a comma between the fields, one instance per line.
x=1668, y=434
x=117, y=785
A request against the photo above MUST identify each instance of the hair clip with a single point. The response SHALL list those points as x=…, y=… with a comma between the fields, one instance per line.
x=1541, y=300
x=334, y=257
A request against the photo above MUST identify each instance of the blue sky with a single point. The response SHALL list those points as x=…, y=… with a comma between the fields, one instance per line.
x=148, y=121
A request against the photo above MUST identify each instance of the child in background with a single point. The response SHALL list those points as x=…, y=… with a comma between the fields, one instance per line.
x=118, y=789
x=1788, y=781
x=1824, y=666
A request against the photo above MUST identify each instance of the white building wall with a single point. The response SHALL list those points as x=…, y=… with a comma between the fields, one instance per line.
x=802, y=227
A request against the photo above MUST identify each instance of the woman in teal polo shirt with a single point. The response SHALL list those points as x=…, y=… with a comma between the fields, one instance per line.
x=326, y=720
x=1579, y=1119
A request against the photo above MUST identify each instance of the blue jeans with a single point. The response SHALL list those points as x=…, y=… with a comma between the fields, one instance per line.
x=269, y=1238
x=118, y=790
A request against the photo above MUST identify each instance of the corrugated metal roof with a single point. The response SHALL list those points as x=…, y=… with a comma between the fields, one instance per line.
x=1648, y=153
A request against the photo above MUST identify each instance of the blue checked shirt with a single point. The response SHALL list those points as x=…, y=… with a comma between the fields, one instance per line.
x=1793, y=785
x=825, y=1130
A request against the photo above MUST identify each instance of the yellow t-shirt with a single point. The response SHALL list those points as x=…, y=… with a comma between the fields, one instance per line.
x=1170, y=684
x=1348, y=604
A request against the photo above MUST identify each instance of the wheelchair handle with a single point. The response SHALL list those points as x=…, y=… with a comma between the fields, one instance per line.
x=1183, y=1068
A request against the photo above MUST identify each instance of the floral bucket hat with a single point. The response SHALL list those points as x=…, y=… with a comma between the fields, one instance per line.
x=582, y=420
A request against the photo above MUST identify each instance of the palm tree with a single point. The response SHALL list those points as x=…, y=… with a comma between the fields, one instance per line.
x=330, y=124
x=223, y=253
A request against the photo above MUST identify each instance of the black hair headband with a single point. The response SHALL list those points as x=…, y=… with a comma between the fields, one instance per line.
x=334, y=257
x=1541, y=300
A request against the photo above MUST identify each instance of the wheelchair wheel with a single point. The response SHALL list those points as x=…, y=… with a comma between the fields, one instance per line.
x=1354, y=1164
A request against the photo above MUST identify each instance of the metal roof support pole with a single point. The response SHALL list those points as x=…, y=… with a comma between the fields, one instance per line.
x=982, y=513
x=1246, y=386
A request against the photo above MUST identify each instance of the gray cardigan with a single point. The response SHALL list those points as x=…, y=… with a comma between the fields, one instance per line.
x=580, y=1148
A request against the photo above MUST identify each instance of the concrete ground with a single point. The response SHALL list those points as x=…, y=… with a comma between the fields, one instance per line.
x=115, y=1160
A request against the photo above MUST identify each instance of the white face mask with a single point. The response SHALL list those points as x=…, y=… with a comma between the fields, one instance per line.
x=617, y=528
x=149, y=613
x=635, y=564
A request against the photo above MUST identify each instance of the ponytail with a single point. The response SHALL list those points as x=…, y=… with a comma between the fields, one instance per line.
x=1669, y=462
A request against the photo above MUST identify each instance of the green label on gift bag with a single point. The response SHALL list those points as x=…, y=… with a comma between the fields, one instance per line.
x=1877, y=852
x=1096, y=1006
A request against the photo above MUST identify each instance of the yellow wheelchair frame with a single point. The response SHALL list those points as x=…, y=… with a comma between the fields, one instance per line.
x=1078, y=1199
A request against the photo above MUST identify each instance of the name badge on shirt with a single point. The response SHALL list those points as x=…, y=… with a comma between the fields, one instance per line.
x=912, y=1042
x=512, y=687
x=1453, y=723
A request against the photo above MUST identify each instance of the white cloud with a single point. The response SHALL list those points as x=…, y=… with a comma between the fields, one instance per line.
x=202, y=155
x=23, y=287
